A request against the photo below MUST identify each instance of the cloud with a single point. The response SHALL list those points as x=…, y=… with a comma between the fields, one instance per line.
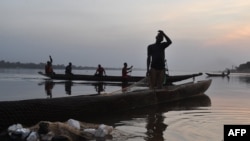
x=230, y=35
x=115, y=31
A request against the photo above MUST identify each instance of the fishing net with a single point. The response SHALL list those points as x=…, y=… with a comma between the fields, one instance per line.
x=142, y=84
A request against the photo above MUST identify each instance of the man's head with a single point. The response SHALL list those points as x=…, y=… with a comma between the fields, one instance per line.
x=125, y=64
x=159, y=37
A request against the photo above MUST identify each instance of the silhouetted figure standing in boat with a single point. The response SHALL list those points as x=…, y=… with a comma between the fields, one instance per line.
x=225, y=73
x=100, y=71
x=48, y=67
x=125, y=76
x=126, y=70
x=156, y=60
x=68, y=69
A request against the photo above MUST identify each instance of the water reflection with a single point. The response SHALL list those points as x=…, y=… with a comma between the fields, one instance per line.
x=155, y=121
x=220, y=77
x=154, y=118
x=244, y=79
x=155, y=127
x=48, y=86
x=99, y=87
x=68, y=85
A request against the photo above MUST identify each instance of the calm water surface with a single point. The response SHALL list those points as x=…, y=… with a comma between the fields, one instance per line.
x=197, y=119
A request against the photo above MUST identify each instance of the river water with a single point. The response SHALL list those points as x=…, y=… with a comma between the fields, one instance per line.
x=196, y=119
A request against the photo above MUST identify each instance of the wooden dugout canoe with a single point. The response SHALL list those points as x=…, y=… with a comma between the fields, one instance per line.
x=169, y=79
x=77, y=107
x=223, y=74
x=217, y=75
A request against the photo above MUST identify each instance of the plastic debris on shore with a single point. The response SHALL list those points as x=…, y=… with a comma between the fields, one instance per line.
x=18, y=132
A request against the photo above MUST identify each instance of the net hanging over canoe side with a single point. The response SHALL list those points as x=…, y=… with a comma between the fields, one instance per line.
x=142, y=84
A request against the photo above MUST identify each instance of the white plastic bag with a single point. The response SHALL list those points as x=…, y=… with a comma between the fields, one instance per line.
x=103, y=130
x=14, y=127
x=91, y=131
x=33, y=137
x=74, y=123
x=17, y=129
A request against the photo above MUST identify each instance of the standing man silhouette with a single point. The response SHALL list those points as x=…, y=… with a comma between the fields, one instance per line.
x=48, y=67
x=68, y=69
x=156, y=60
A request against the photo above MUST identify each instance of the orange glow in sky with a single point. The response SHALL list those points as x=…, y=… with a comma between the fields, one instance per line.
x=111, y=30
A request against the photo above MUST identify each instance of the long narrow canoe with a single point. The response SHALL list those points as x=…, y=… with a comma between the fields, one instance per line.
x=115, y=78
x=223, y=74
x=217, y=75
x=77, y=107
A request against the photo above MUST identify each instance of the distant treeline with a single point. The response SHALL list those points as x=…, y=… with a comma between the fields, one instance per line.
x=243, y=67
x=6, y=64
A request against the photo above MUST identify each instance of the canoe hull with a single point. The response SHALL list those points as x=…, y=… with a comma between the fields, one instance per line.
x=216, y=75
x=32, y=111
x=223, y=74
x=169, y=79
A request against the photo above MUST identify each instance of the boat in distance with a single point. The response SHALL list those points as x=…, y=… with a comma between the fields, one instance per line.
x=110, y=78
x=216, y=75
x=223, y=74
x=79, y=107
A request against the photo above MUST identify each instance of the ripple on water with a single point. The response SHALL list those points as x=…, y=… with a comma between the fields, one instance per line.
x=203, y=123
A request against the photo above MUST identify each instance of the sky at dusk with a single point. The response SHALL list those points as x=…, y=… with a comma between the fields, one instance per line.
x=206, y=35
